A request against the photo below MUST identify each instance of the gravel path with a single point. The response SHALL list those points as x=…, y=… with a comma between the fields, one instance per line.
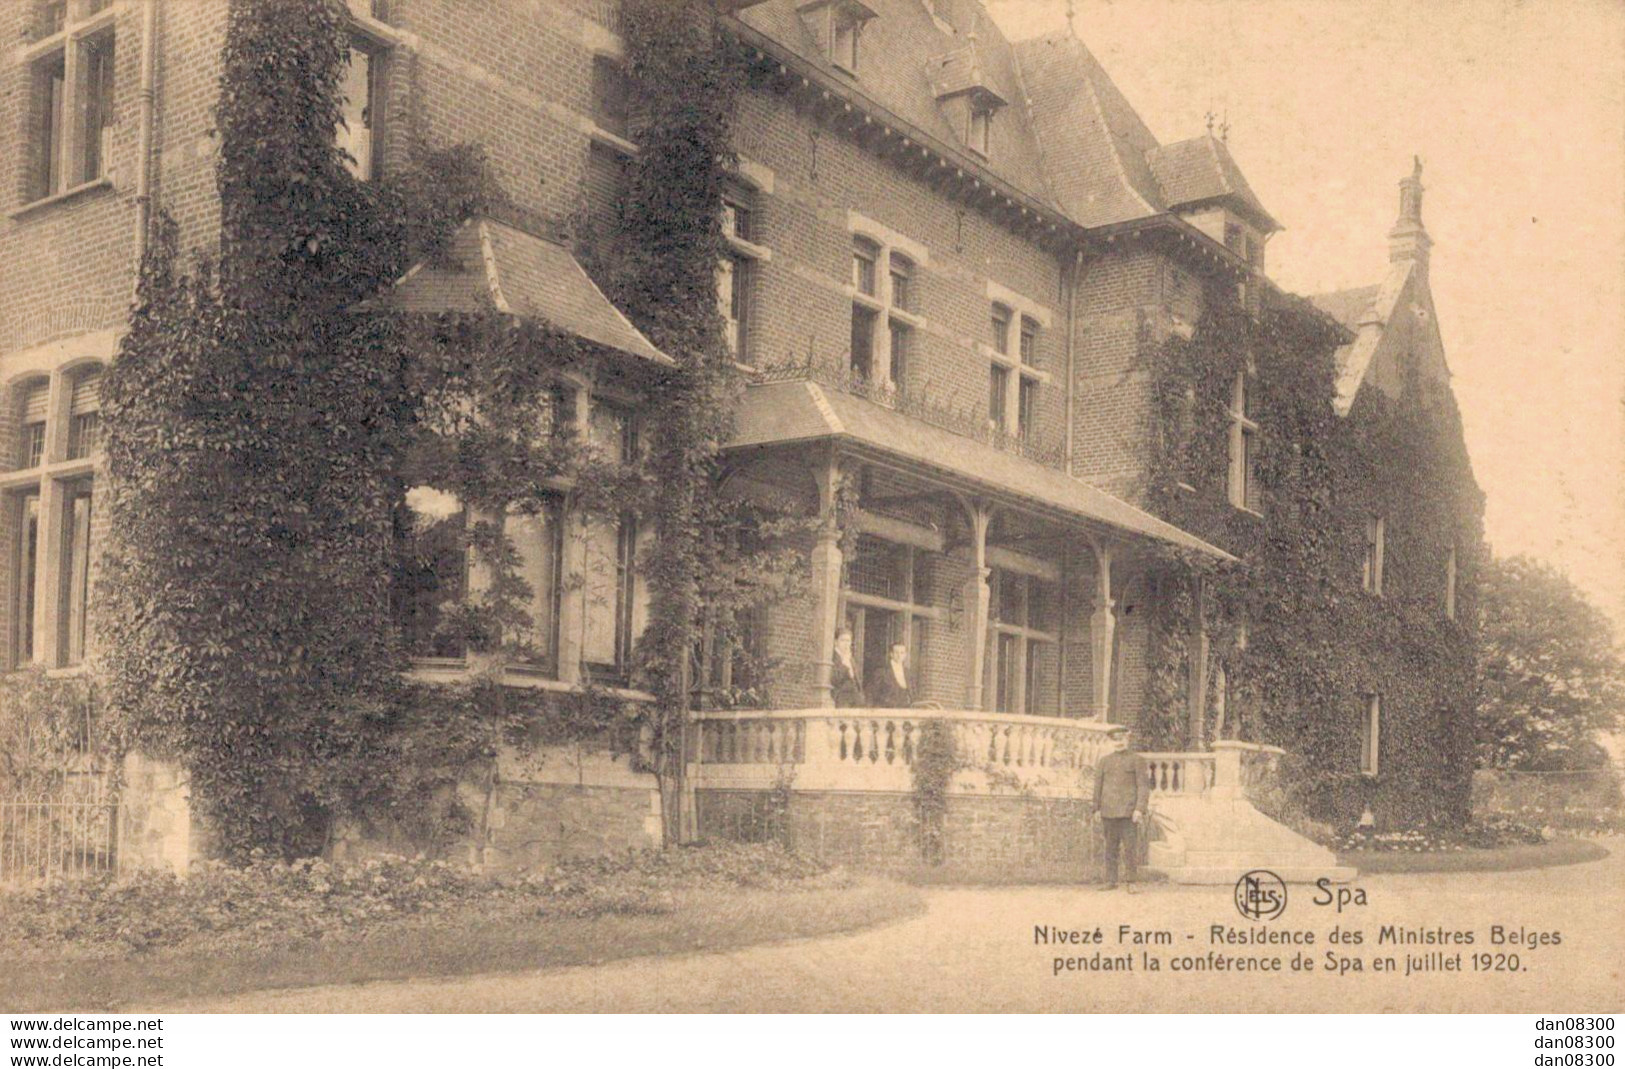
x=974, y=950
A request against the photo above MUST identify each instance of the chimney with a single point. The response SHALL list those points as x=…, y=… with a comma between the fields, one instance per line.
x=1408, y=240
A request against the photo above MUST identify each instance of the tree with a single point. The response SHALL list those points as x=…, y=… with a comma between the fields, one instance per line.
x=1551, y=676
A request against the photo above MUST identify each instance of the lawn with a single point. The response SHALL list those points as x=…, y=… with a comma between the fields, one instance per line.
x=452, y=945
x=154, y=940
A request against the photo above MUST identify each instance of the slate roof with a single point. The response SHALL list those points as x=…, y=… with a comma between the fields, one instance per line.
x=1202, y=169
x=785, y=412
x=1349, y=306
x=1364, y=310
x=493, y=267
x=1068, y=138
x=897, y=51
x=1095, y=145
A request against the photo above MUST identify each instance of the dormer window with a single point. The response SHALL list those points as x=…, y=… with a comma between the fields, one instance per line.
x=966, y=95
x=978, y=132
x=838, y=27
x=844, y=51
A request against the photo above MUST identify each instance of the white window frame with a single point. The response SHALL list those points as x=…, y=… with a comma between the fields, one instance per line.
x=1005, y=355
x=85, y=27
x=979, y=130
x=1024, y=635
x=1372, y=572
x=58, y=601
x=739, y=267
x=1371, y=736
x=1243, y=443
x=363, y=144
x=881, y=305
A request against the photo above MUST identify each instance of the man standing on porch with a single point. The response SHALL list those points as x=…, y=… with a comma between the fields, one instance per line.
x=1122, y=792
x=892, y=689
x=844, y=688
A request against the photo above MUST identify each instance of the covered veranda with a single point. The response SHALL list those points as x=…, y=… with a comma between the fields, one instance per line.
x=1000, y=575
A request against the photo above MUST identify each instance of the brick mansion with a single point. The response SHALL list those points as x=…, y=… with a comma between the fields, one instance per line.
x=955, y=266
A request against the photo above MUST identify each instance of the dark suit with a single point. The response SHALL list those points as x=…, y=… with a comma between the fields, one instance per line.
x=887, y=693
x=844, y=687
x=1122, y=792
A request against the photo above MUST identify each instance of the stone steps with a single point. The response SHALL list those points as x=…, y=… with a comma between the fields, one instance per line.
x=1215, y=840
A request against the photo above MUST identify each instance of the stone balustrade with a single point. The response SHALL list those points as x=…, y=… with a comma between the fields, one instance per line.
x=1180, y=773
x=875, y=750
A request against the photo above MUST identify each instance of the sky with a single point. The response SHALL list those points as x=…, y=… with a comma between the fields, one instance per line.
x=1518, y=112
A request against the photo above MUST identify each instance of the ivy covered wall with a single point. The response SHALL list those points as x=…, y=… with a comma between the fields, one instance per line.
x=1293, y=630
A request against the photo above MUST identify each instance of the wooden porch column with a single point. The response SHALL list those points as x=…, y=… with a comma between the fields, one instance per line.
x=1102, y=626
x=826, y=578
x=1197, y=695
x=976, y=604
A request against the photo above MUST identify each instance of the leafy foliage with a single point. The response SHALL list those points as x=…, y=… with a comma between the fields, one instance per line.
x=265, y=903
x=1552, y=678
x=47, y=728
x=936, y=760
x=659, y=266
x=1300, y=641
x=262, y=421
x=268, y=419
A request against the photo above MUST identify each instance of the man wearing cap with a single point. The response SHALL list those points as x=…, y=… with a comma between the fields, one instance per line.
x=1122, y=792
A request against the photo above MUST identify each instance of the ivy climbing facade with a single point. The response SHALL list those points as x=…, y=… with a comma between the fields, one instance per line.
x=637, y=421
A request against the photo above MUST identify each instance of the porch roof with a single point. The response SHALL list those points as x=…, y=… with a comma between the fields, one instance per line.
x=490, y=267
x=785, y=412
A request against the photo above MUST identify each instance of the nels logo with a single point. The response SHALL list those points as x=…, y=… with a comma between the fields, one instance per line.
x=1261, y=895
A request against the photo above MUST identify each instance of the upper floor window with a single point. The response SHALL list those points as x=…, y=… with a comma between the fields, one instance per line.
x=1001, y=329
x=902, y=282
x=1242, y=481
x=979, y=130
x=1371, y=570
x=72, y=79
x=883, y=303
x=864, y=255
x=837, y=26
x=1371, y=735
x=844, y=44
x=611, y=97
x=357, y=133
x=735, y=270
x=1014, y=376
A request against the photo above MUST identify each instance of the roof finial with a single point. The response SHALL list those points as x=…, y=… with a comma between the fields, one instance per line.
x=1071, y=16
x=1410, y=195
x=1224, y=127
x=1210, y=118
x=1408, y=240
